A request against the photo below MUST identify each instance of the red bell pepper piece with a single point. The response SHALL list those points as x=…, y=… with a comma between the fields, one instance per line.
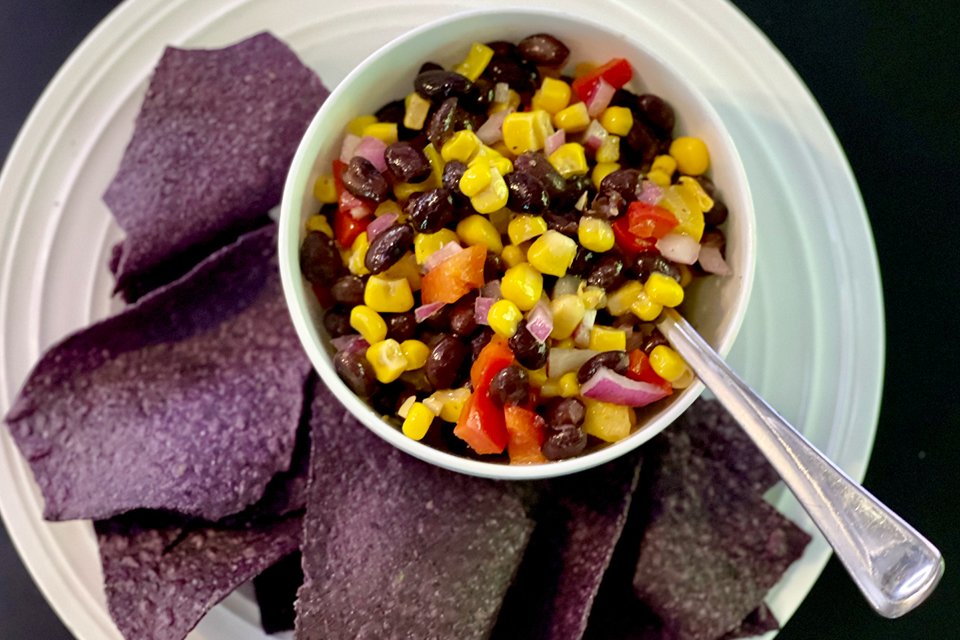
x=492, y=359
x=346, y=227
x=525, y=435
x=630, y=244
x=455, y=276
x=481, y=424
x=617, y=72
x=650, y=220
x=641, y=370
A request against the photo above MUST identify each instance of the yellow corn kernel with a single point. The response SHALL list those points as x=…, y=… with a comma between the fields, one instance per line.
x=425, y=244
x=645, y=308
x=504, y=316
x=687, y=378
x=593, y=297
x=695, y=191
x=513, y=101
x=462, y=146
x=570, y=160
x=550, y=389
x=387, y=359
x=321, y=224
x=447, y=403
x=476, y=229
x=403, y=190
x=368, y=324
x=519, y=133
x=552, y=96
x=601, y=171
x=609, y=422
x=583, y=69
x=522, y=285
x=388, y=295
x=386, y=131
x=405, y=267
x=501, y=164
x=620, y=301
x=324, y=189
x=494, y=197
x=542, y=126
x=686, y=275
x=357, y=125
x=609, y=151
x=691, y=155
x=388, y=206
x=524, y=227
x=418, y=421
x=683, y=203
x=617, y=120
x=415, y=352
x=663, y=290
x=476, y=61
x=513, y=255
x=552, y=253
x=659, y=178
x=664, y=163
x=568, y=385
x=500, y=219
x=476, y=178
x=595, y=234
x=415, y=113
x=538, y=377
x=607, y=339
x=358, y=255
x=667, y=363
x=404, y=409
x=568, y=310
x=573, y=119
x=501, y=148
x=436, y=164
x=566, y=343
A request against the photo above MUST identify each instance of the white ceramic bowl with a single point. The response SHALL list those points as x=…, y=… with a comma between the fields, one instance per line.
x=714, y=305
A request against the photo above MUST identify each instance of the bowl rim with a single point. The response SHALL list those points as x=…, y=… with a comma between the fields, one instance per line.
x=293, y=290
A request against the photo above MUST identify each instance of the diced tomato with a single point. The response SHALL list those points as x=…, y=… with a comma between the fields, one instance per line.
x=455, y=276
x=649, y=220
x=346, y=228
x=525, y=434
x=641, y=371
x=617, y=72
x=346, y=225
x=481, y=424
x=629, y=243
x=493, y=358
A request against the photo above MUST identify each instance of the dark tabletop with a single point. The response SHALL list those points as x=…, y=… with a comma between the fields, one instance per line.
x=887, y=75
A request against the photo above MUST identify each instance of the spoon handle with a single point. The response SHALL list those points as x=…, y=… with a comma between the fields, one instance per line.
x=894, y=566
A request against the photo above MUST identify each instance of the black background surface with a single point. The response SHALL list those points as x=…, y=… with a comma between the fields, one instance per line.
x=887, y=75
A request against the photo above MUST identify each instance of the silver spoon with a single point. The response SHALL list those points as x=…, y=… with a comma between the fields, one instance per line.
x=894, y=566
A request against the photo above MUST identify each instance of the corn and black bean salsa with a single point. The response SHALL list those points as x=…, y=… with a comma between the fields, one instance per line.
x=493, y=249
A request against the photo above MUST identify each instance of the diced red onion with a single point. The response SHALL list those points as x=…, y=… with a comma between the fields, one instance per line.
x=600, y=98
x=481, y=309
x=712, y=261
x=554, y=142
x=381, y=224
x=679, y=247
x=441, y=254
x=501, y=92
x=423, y=312
x=561, y=361
x=566, y=285
x=350, y=343
x=373, y=150
x=650, y=192
x=581, y=336
x=492, y=290
x=349, y=147
x=608, y=386
x=357, y=208
x=540, y=321
x=492, y=130
x=595, y=135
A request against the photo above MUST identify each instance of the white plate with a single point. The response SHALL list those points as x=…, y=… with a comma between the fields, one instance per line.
x=811, y=343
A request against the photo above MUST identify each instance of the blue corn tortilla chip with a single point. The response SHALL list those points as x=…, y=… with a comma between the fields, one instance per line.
x=162, y=572
x=276, y=591
x=187, y=401
x=209, y=154
x=397, y=548
x=579, y=521
x=760, y=621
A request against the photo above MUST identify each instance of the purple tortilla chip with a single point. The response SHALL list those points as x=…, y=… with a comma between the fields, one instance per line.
x=187, y=401
x=397, y=548
x=579, y=522
x=163, y=573
x=760, y=621
x=276, y=590
x=209, y=155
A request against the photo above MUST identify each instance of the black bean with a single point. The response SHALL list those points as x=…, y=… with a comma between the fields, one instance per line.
x=406, y=162
x=462, y=317
x=563, y=441
x=445, y=361
x=623, y=182
x=320, y=261
x=568, y=224
x=608, y=273
x=522, y=76
x=348, y=290
x=479, y=341
x=717, y=214
x=337, y=324
x=452, y=173
x=708, y=186
x=641, y=146
x=479, y=98
x=493, y=267
x=607, y=206
x=537, y=165
x=654, y=340
x=401, y=326
x=354, y=369
x=543, y=49
x=432, y=211
x=392, y=112
x=510, y=386
x=616, y=361
x=649, y=262
x=440, y=85
x=528, y=351
x=388, y=247
x=442, y=122
x=658, y=112
x=503, y=49
x=715, y=237
x=573, y=190
x=429, y=66
x=385, y=399
x=624, y=98
x=565, y=411
x=582, y=262
x=363, y=180
x=439, y=321
x=527, y=194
